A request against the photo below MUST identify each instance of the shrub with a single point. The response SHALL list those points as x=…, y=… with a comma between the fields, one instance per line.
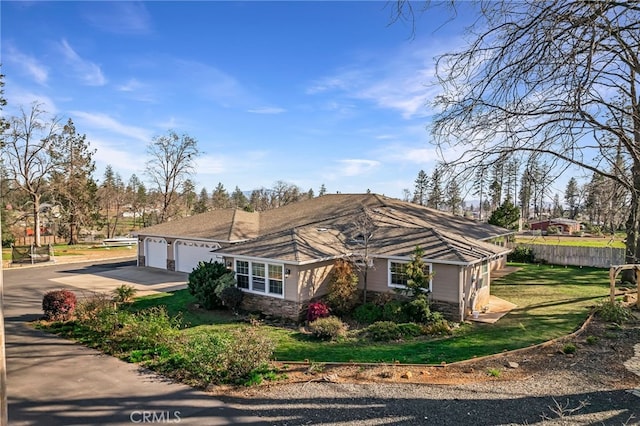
x=613, y=312
x=249, y=349
x=207, y=281
x=438, y=326
x=521, y=254
x=317, y=310
x=231, y=297
x=384, y=331
x=328, y=328
x=201, y=356
x=124, y=293
x=150, y=328
x=410, y=329
x=394, y=311
x=367, y=313
x=419, y=310
x=59, y=305
x=342, y=292
x=89, y=307
x=569, y=348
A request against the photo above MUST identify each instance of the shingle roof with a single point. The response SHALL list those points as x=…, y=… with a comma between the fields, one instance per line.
x=322, y=227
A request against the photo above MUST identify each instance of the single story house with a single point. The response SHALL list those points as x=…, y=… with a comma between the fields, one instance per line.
x=565, y=226
x=283, y=258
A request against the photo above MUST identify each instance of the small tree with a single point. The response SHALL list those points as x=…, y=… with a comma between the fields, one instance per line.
x=342, y=292
x=418, y=276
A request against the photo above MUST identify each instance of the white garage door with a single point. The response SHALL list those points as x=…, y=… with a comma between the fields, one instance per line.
x=155, y=252
x=189, y=253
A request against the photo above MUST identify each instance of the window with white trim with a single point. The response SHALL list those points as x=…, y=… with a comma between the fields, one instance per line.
x=259, y=277
x=398, y=274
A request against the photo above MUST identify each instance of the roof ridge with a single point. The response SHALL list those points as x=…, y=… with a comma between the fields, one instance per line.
x=441, y=237
x=294, y=239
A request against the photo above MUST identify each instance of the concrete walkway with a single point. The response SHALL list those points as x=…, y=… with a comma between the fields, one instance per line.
x=53, y=381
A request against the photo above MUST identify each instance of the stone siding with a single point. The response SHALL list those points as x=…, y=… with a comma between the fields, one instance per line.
x=273, y=306
x=171, y=265
x=141, y=260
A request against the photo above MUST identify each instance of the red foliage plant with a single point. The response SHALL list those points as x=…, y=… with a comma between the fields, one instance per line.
x=317, y=310
x=59, y=305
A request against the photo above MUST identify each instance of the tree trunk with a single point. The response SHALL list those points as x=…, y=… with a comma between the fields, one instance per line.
x=632, y=252
x=36, y=220
x=73, y=233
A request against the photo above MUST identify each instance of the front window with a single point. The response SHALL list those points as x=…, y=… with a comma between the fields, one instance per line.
x=260, y=277
x=398, y=274
x=242, y=273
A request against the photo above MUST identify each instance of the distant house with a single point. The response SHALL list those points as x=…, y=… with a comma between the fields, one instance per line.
x=283, y=258
x=565, y=226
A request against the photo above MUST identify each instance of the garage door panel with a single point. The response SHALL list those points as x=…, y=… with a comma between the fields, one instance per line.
x=155, y=252
x=189, y=253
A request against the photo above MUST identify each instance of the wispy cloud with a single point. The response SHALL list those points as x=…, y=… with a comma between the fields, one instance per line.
x=124, y=161
x=404, y=81
x=89, y=72
x=355, y=167
x=25, y=98
x=119, y=17
x=28, y=63
x=105, y=122
x=267, y=110
x=137, y=90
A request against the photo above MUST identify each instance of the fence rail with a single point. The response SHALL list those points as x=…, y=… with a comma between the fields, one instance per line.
x=599, y=257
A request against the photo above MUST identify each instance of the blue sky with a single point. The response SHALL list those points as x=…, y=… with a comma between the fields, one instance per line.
x=309, y=93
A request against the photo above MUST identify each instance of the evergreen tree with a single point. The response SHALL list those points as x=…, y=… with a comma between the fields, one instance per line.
x=220, y=197
x=571, y=196
x=421, y=188
x=436, y=196
x=507, y=215
x=202, y=203
x=238, y=199
x=72, y=179
x=454, y=197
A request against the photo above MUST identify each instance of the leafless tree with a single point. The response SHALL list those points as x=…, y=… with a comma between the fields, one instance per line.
x=171, y=163
x=361, y=233
x=558, y=80
x=26, y=146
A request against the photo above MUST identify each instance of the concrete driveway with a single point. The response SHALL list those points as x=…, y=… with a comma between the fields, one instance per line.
x=53, y=381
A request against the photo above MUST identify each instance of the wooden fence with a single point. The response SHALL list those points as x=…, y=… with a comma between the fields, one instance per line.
x=599, y=257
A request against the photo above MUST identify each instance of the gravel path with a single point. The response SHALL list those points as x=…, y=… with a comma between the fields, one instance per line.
x=550, y=399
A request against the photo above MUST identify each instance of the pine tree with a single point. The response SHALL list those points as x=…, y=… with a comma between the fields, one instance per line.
x=421, y=188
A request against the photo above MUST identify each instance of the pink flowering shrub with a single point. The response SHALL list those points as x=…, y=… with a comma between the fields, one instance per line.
x=59, y=305
x=317, y=310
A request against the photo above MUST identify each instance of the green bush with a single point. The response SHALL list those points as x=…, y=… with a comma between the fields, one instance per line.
x=207, y=281
x=419, y=310
x=231, y=298
x=367, y=313
x=328, y=328
x=613, y=312
x=59, y=305
x=410, y=329
x=150, y=328
x=249, y=350
x=394, y=311
x=521, y=254
x=384, y=331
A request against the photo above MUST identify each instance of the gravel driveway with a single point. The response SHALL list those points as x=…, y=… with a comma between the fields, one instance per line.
x=550, y=399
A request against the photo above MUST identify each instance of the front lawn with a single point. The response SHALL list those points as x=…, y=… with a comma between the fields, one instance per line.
x=552, y=302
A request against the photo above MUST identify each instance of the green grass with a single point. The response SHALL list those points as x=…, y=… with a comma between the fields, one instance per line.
x=552, y=302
